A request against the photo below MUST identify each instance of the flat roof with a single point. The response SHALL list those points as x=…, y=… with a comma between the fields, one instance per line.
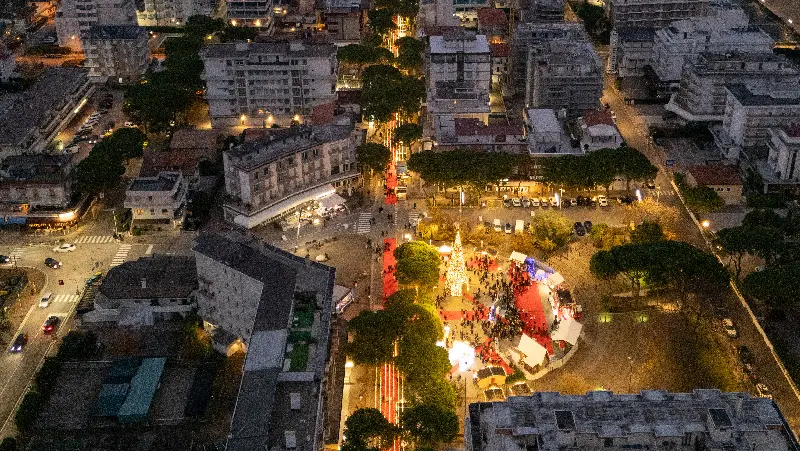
x=153, y=277
x=164, y=181
x=544, y=120
x=116, y=32
x=143, y=387
x=36, y=168
x=243, y=49
x=458, y=41
x=748, y=98
x=283, y=142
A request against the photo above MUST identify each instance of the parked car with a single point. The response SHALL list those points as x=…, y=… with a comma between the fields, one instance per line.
x=44, y=301
x=497, y=226
x=93, y=139
x=626, y=200
x=50, y=324
x=94, y=278
x=602, y=200
x=650, y=184
x=66, y=247
x=579, y=229
x=581, y=201
x=526, y=203
x=763, y=391
x=730, y=328
x=592, y=202
x=553, y=202
x=509, y=229
x=52, y=263
x=19, y=343
x=588, y=226
x=507, y=203
x=5, y=260
x=544, y=202
x=516, y=202
x=535, y=202
x=130, y=124
x=566, y=203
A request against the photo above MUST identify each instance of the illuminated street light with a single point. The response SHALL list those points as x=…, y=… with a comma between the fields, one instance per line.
x=639, y=195
x=705, y=223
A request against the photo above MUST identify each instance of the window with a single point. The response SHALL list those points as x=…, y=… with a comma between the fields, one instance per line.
x=316, y=153
x=164, y=210
x=304, y=156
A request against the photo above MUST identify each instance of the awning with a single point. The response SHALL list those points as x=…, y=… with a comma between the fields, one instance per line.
x=289, y=203
x=533, y=351
x=518, y=257
x=445, y=249
x=568, y=330
x=555, y=278
x=331, y=201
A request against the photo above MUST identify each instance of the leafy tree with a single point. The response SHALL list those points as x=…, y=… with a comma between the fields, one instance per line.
x=409, y=53
x=407, y=133
x=551, y=230
x=127, y=142
x=699, y=198
x=431, y=391
x=199, y=25
x=8, y=444
x=595, y=20
x=409, y=92
x=598, y=168
x=98, y=172
x=417, y=264
x=362, y=55
x=775, y=286
x=647, y=232
x=368, y=429
x=462, y=167
x=430, y=424
x=373, y=156
x=28, y=410
x=374, y=334
x=232, y=34
x=78, y=345
x=47, y=375
x=381, y=21
x=157, y=102
x=386, y=91
x=735, y=241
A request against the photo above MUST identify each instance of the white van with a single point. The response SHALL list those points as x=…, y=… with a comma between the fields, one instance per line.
x=45, y=300
x=519, y=226
x=498, y=227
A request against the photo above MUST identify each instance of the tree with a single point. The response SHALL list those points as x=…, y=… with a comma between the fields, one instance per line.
x=8, y=444
x=361, y=55
x=701, y=199
x=429, y=424
x=734, y=241
x=373, y=156
x=598, y=168
x=459, y=168
x=199, y=25
x=647, y=232
x=409, y=92
x=98, y=172
x=776, y=286
x=368, y=429
x=231, y=34
x=381, y=21
x=127, y=142
x=551, y=230
x=407, y=133
x=596, y=21
x=47, y=375
x=409, y=53
x=765, y=218
x=28, y=410
x=78, y=345
x=374, y=335
x=417, y=264
x=386, y=91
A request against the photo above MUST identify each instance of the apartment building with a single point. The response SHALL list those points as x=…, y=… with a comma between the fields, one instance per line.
x=31, y=119
x=116, y=52
x=749, y=115
x=546, y=134
x=784, y=145
x=254, y=297
x=630, y=51
x=530, y=38
x=35, y=181
x=157, y=201
x=153, y=13
x=541, y=10
x=724, y=32
x=268, y=178
x=564, y=75
x=472, y=134
x=251, y=13
x=459, y=74
x=701, y=93
x=601, y=420
x=344, y=25
x=652, y=13
x=259, y=84
x=74, y=18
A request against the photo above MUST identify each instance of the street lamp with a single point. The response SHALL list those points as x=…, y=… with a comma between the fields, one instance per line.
x=706, y=224
x=560, y=199
x=297, y=239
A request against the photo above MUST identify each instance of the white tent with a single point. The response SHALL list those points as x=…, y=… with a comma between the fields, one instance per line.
x=555, y=278
x=568, y=330
x=331, y=201
x=518, y=257
x=533, y=351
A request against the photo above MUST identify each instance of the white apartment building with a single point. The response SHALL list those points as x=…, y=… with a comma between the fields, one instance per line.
x=116, y=52
x=459, y=74
x=269, y=178
x=35, y=181
x=74, y=18
x=31, y=119
x=726, y=30
x=547, y=134
x=701, y=93
x=598, y=131
x=749, y=115
x=260, y=84
x=156, y=201
x=781, y=170
x=631, y=49
x=652, y=13
x=601, y=420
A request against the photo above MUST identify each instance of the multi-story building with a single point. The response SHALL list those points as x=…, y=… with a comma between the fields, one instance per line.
x=652, y=13
x=724, y=179
x=260, y=84
x=564, y=75
x=598, y=130
x=157, y=201
x=781, y=170
x=271, y=177
x=601, y=420
x=541, y=10
x=500, y=63
x=251, y=13
x=35, y=181
x=726, y=30
x=493, y=23
x=701, y=94
x=273, y=305
x=547, y=134
x=74, y=18
x=116, y=52
x=459, y=74
x=344, y=25
x=749, y=114
x=531, y=38
x=31, y=119
x=630, y=51
x=171, y=12
x=472, y=134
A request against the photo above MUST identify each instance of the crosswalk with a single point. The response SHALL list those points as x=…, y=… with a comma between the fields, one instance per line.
x=16, y=253
x=95, y=239
x=66, y=298
x=121, y=255
x=363, y=223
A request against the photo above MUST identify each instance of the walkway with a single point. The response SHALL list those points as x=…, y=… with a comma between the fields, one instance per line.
x=389, y=281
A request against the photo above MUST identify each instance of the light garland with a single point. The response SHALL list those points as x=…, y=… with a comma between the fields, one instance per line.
x=456, y=276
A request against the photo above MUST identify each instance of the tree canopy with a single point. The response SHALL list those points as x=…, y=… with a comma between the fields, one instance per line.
x=417, y=263
x=647, y=232
x=361, y=55
x=409, y=53
x=701, y=199
x=407, y=133
x=386, y=91
x=368, y=429
x=775, y=286
x=373, y=156
x=430, y=425
x=462, y=167
x=598, y=168
x=381, y=21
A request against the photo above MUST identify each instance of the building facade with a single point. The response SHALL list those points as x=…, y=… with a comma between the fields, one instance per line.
x=268, y=178
x=530, y=38
x=116, y=52
x=153, y=13
x=31, y=119
x=598, y=131
x=725, y=180
x=156, y=201
x=74, y=18
x=260, y=84
x=701, y=94
x=251, y=13
x=35, y=181
x=652, y=13
x=564, y=75
x=630, y=51
x=601, y=420
x=547, y=134
x=781, y=171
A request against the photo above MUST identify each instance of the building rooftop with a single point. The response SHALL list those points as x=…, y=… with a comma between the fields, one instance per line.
x=279, y=143
x=748, y=98
x=116, y=32
x=31, y=109
x=154, y=277
x=492, y=17
x=164, y=181
x=598, y=117
x=244, y=49
x=636, y=34
x=474, y=127
x=38, y=168
x=715, y=175
x=458, y=41
x=543, y=120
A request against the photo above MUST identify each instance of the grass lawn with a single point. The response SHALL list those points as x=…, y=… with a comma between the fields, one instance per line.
x=299, y=357
x=303, y=319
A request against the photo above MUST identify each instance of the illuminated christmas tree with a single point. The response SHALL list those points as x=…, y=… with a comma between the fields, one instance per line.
x=457, y=271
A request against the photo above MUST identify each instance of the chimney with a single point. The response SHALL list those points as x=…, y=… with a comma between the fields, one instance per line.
x=144, y=283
